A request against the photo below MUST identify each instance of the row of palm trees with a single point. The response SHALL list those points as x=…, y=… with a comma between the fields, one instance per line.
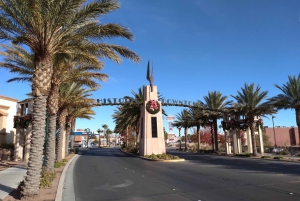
x=58, y=46
x=250, y=102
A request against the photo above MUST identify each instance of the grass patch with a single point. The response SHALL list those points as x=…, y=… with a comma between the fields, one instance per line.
x=163, y=156
x=46, y=178
x=278, y=157
x=266, y=157
x=59, y=164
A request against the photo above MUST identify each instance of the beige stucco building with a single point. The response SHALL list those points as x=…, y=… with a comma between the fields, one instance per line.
x=8, y=109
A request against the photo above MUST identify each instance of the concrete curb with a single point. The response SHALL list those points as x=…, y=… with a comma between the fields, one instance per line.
x=157, y=160
x=60, y=186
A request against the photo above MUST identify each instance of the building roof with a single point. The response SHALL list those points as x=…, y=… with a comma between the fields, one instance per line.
x=8, y=98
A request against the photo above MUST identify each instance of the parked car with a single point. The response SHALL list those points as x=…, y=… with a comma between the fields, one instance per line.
x=275, y=150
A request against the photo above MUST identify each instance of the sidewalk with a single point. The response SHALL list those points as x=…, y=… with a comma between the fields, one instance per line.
x=11, y=177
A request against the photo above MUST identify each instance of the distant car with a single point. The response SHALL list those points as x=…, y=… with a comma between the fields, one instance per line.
x=275, y=150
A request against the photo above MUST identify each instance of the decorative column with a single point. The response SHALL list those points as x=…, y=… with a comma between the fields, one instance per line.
x=234, y=139
x=227, y=142
x=261, y=142
x=151, y=130
x=249, y=140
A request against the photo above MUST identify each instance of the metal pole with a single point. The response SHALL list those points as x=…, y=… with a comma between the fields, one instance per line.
x=274, y=131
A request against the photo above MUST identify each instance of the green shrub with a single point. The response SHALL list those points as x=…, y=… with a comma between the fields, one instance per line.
x=244, y=155
x=134, y=151
x=176, y=157
x=284, y=152
x=266, y=157
x=76, y=151
x=58, y=164
x=153, y=156
x=65, y=160
x=46, y=178
x=278, y=157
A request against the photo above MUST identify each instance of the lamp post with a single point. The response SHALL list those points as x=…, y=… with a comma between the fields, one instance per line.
x=87, y=139
x=179, y=128
x=274, y=131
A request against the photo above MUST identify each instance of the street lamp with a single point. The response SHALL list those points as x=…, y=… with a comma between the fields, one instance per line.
x=179, y=128
x=87, y=139
x=274, y=131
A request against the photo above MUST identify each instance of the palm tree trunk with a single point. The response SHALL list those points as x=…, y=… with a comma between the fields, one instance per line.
x=62, y=125
x=198, y=133
x=254, y=150
x=50, y=152
x=41, y=82
x=67, y=141
x=215, y=123
x=73, y=123
x=33, y=175
x=185, y=136
x=52, y=110
x=298, y=121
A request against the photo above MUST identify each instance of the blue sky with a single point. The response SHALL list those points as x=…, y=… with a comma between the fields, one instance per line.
x=198, y=46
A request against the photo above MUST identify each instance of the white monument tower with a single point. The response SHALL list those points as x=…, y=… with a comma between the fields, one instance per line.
x=152, y=133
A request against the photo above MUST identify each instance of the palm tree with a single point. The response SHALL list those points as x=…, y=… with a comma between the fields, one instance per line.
x=214, y=104
x=71, y=96
x=289, y=98
x=99, y=131
x=198, y=119
x=249, y=102
x=82, y=69
x=48, y=28
x=184, y=119
x=73, y=114
x=105, y=127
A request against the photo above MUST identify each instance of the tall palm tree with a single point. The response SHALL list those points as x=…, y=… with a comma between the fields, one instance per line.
x=80, y=113
x=199, y=118
x=71, y=96
x=215, y=103
x=105, y=127
x=48, y=28
x=184, y=119
x=289, y=98
x=83, y=69
x=249, y=102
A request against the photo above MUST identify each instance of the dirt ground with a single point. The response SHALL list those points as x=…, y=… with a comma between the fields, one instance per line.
x=47, y=194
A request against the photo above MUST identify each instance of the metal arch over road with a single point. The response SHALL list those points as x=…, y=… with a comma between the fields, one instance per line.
x=123, y=101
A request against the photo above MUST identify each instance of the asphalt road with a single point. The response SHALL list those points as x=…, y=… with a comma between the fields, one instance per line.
x=109, y=174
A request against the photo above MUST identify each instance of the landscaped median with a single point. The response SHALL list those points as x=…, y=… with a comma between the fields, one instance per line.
x=158, y=157
x=279, y=157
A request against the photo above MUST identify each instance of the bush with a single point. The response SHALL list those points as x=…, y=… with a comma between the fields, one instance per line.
x=284, y=152
x=244, y=155
x=278, y=157
x=58, y=164
x=266, y=157
x=134, y=151
x=46, y=178
x=76, y=151
x=7, y=146
x=65, y=160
